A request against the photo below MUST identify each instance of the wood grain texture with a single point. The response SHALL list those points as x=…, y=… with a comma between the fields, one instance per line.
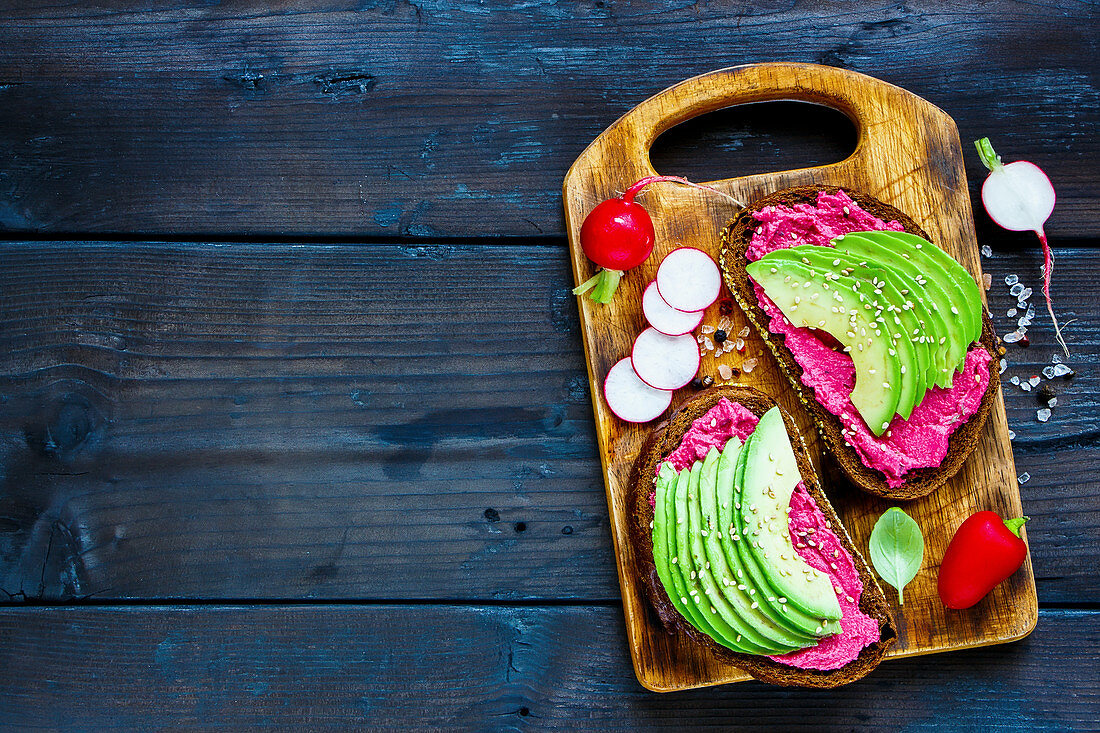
x=908, y=154
x=249, y=421
x=434, y=118
x=385, y=668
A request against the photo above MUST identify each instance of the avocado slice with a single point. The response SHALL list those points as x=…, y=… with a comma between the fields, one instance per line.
x=664, y=498
x=838, y=307
x=711, y=624
x=771, y=475
x=935, y=285
x=904, y=318
x=967, y=298
x=671, y=552
x=741, y=598
x=738, y=614
x=797, y=619
x=725, y=559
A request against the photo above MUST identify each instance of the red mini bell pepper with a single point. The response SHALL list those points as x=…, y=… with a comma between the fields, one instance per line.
x=984, y=551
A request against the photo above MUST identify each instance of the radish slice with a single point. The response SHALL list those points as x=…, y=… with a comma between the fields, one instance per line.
x=663, y=361
x=688, y=279
x=630, y=398
x=1019, y=197
x=664, y=317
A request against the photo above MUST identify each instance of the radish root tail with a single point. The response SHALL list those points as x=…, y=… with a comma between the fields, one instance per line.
x=1048, y=268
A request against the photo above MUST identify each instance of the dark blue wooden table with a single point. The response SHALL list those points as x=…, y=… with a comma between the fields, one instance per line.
x=294, y=424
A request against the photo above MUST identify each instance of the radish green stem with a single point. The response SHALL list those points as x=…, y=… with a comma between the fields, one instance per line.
x=990, y=159
x=602, y=285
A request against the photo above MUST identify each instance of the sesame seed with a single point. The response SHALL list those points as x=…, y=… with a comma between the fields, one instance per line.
x=754, y=604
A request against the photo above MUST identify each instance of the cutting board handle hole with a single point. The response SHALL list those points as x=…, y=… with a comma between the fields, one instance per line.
x=748, y=139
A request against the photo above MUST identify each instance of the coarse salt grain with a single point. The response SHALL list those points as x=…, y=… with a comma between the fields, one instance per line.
x=1024, y=477
x=724, y=371
x=1043, y=414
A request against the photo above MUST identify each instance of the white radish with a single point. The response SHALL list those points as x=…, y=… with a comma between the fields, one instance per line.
x=688, y=279
x=630, y=398
x=1019, y=197
x=663, y=361
x=664, y=317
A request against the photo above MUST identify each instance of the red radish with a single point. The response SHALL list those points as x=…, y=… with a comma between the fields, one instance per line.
x=630, y=398
x=1019, y=197
x=663, y=361
x=618, y=235
x=688, y=279
x=664, y=317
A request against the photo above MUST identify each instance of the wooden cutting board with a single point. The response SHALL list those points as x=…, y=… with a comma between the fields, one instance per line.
x=909, y=155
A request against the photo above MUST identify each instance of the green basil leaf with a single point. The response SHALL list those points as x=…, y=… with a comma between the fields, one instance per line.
x=897, y=549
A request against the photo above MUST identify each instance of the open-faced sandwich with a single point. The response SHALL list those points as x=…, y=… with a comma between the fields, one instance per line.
x=739, y=549
x=881, y=332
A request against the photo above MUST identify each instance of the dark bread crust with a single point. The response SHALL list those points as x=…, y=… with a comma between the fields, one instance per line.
x=918, y=482
x=662, y=441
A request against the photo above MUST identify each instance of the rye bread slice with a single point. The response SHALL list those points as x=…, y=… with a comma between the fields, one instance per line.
x=918, y=482
x=662, y=441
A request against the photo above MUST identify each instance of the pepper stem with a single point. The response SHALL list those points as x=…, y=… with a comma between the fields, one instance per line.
x=603, y=285
x=1015, y=524
x=989, y=157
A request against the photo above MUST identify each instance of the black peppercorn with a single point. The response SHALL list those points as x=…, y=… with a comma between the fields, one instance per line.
x=1045, y=393
x=720, y=336
x=708, y=381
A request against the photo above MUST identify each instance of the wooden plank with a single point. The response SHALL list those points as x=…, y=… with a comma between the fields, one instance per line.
x=484, y=668
x=909, y=155
x=258, y=421
x=441, y=119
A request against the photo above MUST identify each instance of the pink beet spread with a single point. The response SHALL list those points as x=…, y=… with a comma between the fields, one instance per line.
x=920, y=442
x=713, y=430
x=727, y=419
x=857, y=629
